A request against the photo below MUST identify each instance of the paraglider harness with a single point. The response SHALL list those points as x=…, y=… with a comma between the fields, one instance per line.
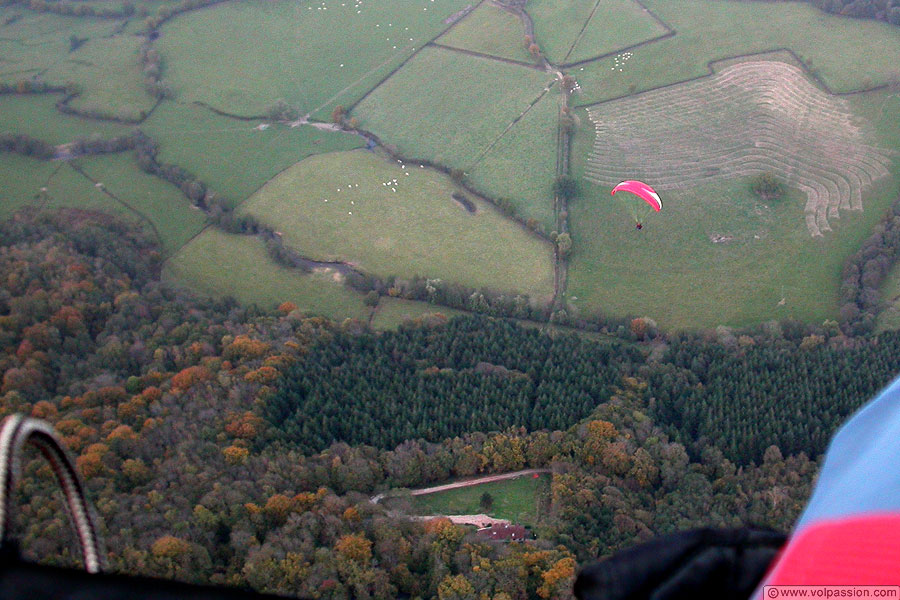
x=22, y=580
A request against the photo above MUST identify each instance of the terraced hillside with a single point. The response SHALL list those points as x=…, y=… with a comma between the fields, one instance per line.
x=751, y=118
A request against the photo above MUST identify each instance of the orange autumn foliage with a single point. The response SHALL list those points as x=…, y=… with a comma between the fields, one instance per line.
x=169, y=546
x=244, y=347
x=190, y=376
x=354, y=547
x=244, y=426
x=287, y=308
x=235, y=455
x=262, y=375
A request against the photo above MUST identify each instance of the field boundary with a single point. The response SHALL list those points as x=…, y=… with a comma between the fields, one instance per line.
x=485, y=55
x=710, y=66
x=581, y=33
x=409, y=58
x=503, y=133
x=670, y=32
x=103, y=189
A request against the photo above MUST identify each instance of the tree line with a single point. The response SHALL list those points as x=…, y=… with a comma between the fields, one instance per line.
x=864, y=273
x=750, y=394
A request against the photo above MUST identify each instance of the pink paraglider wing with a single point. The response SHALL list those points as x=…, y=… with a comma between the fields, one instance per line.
x=642, y=190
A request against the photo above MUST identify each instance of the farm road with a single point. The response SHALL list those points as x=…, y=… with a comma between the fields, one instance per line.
x=466, y=483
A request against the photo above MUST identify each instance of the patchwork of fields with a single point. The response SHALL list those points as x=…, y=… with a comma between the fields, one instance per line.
x=313, y=55
x=693, y=96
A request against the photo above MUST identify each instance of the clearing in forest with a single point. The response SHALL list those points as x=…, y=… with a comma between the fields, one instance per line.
x=515, y=500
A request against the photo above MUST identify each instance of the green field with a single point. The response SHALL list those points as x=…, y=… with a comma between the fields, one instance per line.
x=616, y=24
x=522, y=165
x=105, y=66
x=490, y=30
x=574, y=30
x=220, y=264
x=514, y=499
x=22, y=179
x=70, y=189
x=847, y=54
x=392, y=312
x=241, y=57
x=109, y=73
x=674, y=271
x=233, y=157
x=126, y=192
x=416, y=230
x=156, y=202
x=36, y=115
x=487, y=96
x=37, y=41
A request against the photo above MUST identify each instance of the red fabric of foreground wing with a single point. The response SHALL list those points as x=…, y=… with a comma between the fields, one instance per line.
x=863, y=550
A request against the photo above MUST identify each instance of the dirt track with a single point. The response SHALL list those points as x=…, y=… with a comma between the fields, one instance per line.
x=467, y=483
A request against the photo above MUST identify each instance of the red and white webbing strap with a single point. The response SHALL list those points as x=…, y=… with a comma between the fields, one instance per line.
x=15, y=432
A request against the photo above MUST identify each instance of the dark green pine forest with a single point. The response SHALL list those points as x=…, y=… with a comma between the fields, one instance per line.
x=784, y=386
x=472, y=374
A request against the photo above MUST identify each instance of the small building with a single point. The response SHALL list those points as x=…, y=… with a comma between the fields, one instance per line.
x=505, y=533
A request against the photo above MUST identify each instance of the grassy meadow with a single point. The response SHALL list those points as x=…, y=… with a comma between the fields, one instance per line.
x=615, y=24
x=233, y=157
x=241, y=57
x=31, y=42
x=848, y=54
x=219, y=264
x=521, y=166
x=22, y=179
x=126, y=192
x=714, y=255
x=161, y=205
x=108, y=70
x=393, y=312
x=70, y=189
x=490, y=30
x=573, y=30
x=514, y=499
x=105, y=66
x=487, y=96
x=717, y=255
x=36, y=115
x=390, y=219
